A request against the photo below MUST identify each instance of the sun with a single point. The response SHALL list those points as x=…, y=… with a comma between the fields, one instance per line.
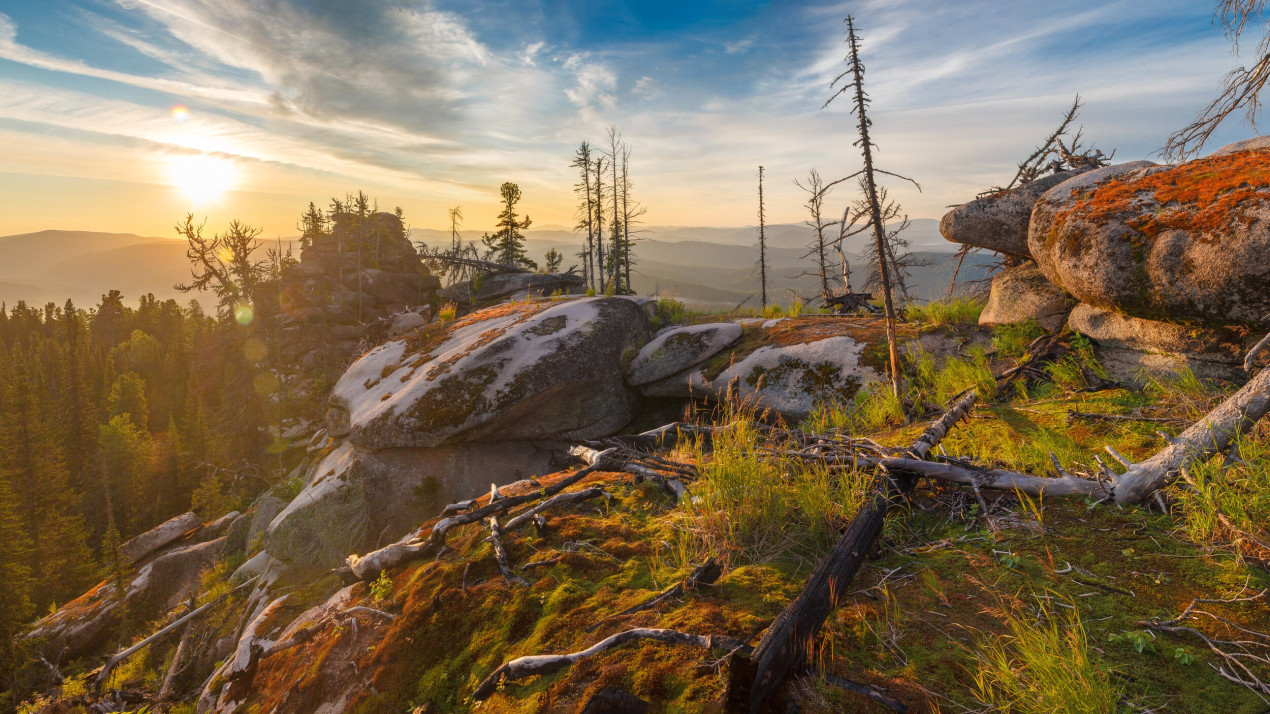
x=202, y=178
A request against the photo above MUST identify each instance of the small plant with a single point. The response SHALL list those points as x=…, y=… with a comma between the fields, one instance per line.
x=1042, y=665
x=1183, y=657
x=381, y=588
x=670, y=311
x=447, y=312
x=1140, y=641
x=590, y=292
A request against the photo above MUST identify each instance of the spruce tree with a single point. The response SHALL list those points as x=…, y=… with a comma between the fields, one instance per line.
x=508, y=244
x=59, y=557
x=15, y=581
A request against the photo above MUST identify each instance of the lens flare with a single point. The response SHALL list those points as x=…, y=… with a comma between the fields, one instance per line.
x=181, y=113
x=202, y=178
x=244, y=313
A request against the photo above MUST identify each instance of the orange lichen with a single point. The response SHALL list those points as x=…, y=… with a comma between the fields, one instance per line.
x=1197, y=197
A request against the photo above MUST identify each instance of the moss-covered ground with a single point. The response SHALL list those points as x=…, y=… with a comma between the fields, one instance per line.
x=943, y=583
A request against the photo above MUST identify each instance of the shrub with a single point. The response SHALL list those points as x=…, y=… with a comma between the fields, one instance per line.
x=447, y=312
x=670, y=311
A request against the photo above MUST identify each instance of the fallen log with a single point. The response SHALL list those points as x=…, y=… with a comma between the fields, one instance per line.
x=704, y=574
x=1073, y=415
x=369, y=566
x=997, y=480
x=787, y=643
x=1209, y=436
x=548, y=664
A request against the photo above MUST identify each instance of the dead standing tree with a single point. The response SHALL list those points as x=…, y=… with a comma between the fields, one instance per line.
x=874, y=217
x=762, y=241
x=818, y=250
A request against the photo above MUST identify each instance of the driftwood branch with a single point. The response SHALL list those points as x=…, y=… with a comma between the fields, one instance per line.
x=997, y=480
x=606, y=461
x=500, y=554
x=572, y=497
x=548, y=664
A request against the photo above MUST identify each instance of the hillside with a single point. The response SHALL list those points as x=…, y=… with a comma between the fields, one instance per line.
x=706, y=267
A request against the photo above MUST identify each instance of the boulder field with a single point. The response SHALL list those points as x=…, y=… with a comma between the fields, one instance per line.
x=1147, y=253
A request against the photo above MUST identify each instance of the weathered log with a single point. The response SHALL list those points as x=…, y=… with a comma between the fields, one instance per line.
x=104, y=673
x=1211, y=435
x=369, y=566
x=167, y=690
x=997, y=480
x=787, y=643
x=704, y=574
x=548, y=664
x=871, y=692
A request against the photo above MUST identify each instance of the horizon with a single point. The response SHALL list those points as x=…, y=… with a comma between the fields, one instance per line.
x=123, y=115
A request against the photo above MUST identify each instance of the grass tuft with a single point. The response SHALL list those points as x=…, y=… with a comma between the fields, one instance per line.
x=1042, y=665
x=939, y=313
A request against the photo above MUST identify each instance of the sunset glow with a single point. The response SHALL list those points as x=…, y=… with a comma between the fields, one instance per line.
x=201, y=178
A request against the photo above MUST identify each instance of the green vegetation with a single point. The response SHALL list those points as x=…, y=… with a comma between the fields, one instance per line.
x=956, y=312
x=1013, y=340
x=1042, y=664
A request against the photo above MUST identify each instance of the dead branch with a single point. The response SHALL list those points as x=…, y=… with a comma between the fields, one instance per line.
x=415, y=545
x=574, y=497
x=547, y=664
x=609, y=460
x=104, y=673
x=500, y=555
x=784, y=647
x=1073, y=416
x=704, y=574
x=1238, y=656
x=997, y=480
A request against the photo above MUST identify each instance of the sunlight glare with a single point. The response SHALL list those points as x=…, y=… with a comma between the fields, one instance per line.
x=202, y=178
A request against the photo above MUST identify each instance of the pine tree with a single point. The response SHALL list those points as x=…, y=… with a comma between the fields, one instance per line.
x=553, y=260
x=586, y=211
x=762, y=241
x=128, y=397
x=507, y=244
x=312, y=226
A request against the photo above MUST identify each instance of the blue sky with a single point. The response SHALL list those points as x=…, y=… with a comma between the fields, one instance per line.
x=428, y=105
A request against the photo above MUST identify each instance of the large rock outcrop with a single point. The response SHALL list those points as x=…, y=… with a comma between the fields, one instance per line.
x=999, y=221
x=435, y=418
x=680, y=348
x=522, y=371
x=789, y=366
x=1187, y=243
x=364, y=270
x=162, y=580
x=1021, y=293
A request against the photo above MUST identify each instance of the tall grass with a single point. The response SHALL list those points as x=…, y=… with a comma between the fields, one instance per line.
x=954, y=312
x=752, y=507
x=1040, y=666
x=1220, y=497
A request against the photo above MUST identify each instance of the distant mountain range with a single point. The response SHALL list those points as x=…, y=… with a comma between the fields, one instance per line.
x=703, y=266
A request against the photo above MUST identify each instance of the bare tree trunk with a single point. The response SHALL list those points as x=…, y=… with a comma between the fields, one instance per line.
x=875, y=209
x=762, y=241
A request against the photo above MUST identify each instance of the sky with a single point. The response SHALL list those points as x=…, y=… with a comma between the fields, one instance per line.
x=124, y=115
